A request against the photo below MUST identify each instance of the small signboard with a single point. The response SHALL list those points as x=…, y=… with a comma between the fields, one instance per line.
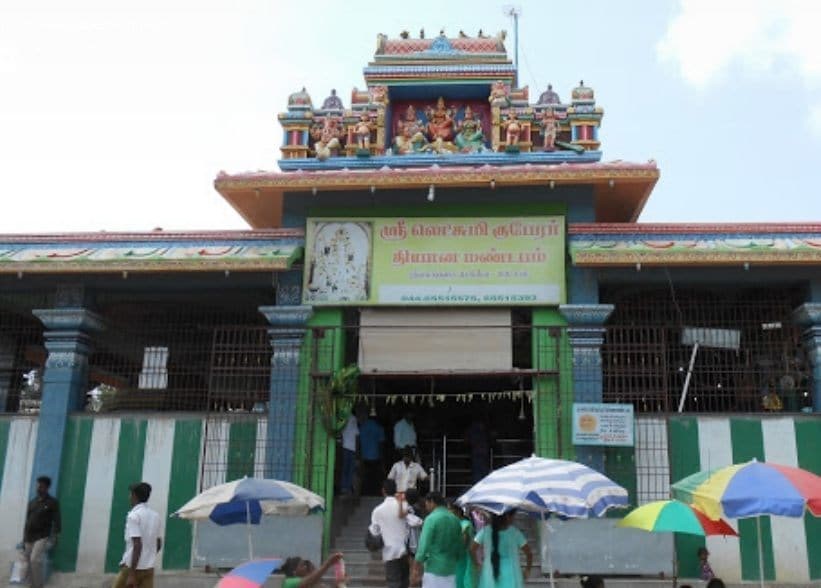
x=603, y=424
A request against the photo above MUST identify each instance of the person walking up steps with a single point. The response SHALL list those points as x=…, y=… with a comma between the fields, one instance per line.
x=388, y=520
x=441, y=546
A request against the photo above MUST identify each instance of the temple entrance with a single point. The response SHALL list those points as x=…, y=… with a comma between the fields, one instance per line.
x=465, y=426
x=466, y=375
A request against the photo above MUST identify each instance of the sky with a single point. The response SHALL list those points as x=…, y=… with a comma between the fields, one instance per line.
x=118, y=116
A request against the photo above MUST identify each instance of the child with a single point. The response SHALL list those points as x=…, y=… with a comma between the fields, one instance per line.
x=707, y=573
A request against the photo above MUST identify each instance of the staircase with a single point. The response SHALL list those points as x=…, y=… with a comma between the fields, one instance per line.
x=362, y=567
x=367, y=569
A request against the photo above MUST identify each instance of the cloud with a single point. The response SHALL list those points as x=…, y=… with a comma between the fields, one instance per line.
x=760, y=37
x=706, y=37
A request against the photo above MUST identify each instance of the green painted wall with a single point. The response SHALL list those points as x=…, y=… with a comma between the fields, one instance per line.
x=685, y=460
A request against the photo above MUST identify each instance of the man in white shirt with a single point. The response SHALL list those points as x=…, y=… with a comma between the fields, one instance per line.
x=388, y=521
x=142, y=541
x=349, y=435
x=406, y=472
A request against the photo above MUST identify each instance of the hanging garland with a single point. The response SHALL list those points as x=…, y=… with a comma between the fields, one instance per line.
x=336, y=398
x=461, y=398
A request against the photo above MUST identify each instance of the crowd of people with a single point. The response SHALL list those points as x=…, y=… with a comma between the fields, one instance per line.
x=438, y=545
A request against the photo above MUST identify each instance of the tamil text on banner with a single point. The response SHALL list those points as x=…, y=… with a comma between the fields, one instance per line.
x=435, y=261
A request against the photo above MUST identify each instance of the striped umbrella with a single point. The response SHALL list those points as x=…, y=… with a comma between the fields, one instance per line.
x=752, y=489
x=542, y=486
x=246, y=500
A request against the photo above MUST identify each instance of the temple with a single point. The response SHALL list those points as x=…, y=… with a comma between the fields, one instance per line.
x=440, y=243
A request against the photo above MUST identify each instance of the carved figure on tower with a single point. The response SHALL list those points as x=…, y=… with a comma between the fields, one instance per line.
x=499, y=94
x=549, y=96
x=378, y=94
x=550, y=129
x=363, y=132
x=409, y=136
x=440, y=122
x=328, y=143
x=512, y=130
x=470, y=138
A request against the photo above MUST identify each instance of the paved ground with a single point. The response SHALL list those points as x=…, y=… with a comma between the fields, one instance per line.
x=201, y=580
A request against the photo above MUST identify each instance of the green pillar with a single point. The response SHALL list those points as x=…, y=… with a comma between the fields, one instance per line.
x=315, y=448
x=553, y=394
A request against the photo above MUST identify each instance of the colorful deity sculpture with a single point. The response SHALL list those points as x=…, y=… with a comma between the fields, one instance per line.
x=549, y=129
x=378, y=94
x=440, y=122
x=499, y=94
x=363, y=132
x=328, y=143
x=470, y=138
x=409, y=137
x=512, y=130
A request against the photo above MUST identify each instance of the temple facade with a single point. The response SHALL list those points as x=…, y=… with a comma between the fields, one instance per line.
x=440, y=243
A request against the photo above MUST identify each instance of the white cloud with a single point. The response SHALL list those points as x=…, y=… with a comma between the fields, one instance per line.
x=707, y=37
x=761, y=37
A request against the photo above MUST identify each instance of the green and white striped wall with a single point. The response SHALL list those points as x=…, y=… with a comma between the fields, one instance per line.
x=103, y=456
x=792, y=547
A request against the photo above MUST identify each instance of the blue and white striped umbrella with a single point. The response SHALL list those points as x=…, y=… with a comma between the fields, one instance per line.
x=248, y=499
x=540, y=486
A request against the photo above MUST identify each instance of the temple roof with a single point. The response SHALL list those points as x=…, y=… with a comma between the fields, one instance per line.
x=621, y=189
x=484, y=45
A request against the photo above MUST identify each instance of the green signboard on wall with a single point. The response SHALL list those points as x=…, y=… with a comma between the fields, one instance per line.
x=435, y=261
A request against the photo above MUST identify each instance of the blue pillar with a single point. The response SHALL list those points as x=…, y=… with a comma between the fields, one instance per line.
x=585, y=332
x=808, y=315
x=287, y=332
x=64, y=380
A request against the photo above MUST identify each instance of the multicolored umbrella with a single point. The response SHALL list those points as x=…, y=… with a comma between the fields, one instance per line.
x=674, y=517
x=752, y=489
x=252, y=574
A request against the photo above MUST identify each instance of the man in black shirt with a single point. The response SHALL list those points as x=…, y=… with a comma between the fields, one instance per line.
x=41, y=531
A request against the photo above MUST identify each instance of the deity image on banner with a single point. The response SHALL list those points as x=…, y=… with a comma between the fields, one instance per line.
x=339, y=262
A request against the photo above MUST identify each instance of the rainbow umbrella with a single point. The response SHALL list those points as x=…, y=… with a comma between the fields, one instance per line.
x=674, y=517
x=752, y=489
x=252, y=574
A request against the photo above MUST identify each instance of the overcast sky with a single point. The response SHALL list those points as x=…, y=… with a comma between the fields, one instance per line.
x=118, y=115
